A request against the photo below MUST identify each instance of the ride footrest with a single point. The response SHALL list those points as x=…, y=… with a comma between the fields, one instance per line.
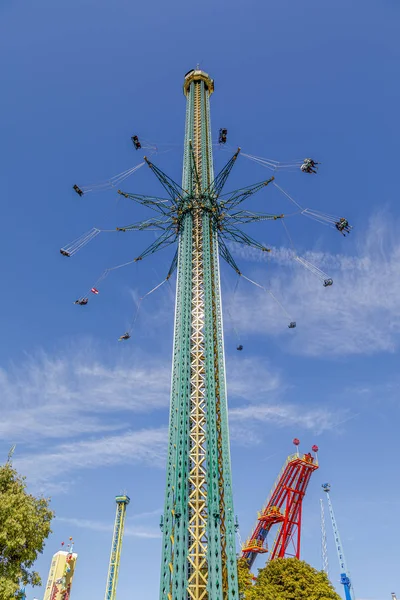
x=254, y=546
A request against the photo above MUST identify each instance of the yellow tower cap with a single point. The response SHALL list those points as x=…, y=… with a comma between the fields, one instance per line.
x=198, y=75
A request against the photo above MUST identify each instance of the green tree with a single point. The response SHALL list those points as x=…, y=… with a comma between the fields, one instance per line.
x=292, y=579
x=24, y=527
x=245, y=579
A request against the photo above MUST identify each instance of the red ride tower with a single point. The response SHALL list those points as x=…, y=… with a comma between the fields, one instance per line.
x=283, y=507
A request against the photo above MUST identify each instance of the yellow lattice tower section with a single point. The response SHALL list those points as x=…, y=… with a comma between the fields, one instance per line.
x=197, y=582
x=116, y=547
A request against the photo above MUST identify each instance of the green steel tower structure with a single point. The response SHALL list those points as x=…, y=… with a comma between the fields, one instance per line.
x=198, y=551
x=198, y=555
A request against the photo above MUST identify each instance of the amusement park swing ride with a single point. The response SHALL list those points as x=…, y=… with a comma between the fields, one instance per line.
x=203, y=222
x=227, y=218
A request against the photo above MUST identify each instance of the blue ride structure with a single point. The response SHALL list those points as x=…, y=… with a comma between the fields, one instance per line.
x=344, y=572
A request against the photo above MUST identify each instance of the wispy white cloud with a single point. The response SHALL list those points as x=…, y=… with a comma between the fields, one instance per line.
x=72, y=411
x=264, y=390
x=314, y=419
x=250, y=378
x=74, y=394
x=147, y=446
x=359, y=314
x=150, y=514
x=129, y=531
x=79, y=406
x=69, y=395
x=80, y=409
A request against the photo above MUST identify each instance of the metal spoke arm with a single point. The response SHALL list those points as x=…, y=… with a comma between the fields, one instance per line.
x=194, y=175
x=229, y=201
x=173, y=266
x=227, y=256
x=245, y=216
x=158, y=204
x=174, y=190
x=165, y=239
x=236, y=235
x=150, y=224
x=217, y=185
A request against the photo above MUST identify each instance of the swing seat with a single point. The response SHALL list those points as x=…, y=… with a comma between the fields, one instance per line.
x=78, y=190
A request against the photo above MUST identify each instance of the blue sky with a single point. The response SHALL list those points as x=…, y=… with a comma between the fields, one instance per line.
x=89, y=415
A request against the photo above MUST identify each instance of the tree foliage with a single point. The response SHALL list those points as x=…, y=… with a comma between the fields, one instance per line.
x=24, y=527
x=245, y=578
x=286, y=579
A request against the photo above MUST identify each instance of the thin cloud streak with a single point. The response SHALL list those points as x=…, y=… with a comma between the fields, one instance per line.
x=353, y=316
x=91, y=397
x=317, y=420
x=101, y=527
x=147, y=446
x=250, y=378
x=38, y=397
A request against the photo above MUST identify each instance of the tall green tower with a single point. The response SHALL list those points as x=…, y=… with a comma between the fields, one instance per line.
x=198, y=553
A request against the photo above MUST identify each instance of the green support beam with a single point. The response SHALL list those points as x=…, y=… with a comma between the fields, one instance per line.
x=198, y=551
x=198, y=554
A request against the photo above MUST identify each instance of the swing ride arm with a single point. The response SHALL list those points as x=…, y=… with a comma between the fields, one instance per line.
x=176, y=193
x=245, y=216
x=166, y=239
x=194, y=174
x=238, y=196
x=158, y=204
x=217, y=185
x=227, y=256
x=237, y=235
x=149, y=224
x=173, y=266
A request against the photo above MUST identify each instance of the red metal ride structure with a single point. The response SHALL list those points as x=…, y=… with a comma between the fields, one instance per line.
x=283, y=508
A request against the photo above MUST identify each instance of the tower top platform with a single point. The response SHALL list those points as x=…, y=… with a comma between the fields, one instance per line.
x=124, y=499
x=198, y=75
